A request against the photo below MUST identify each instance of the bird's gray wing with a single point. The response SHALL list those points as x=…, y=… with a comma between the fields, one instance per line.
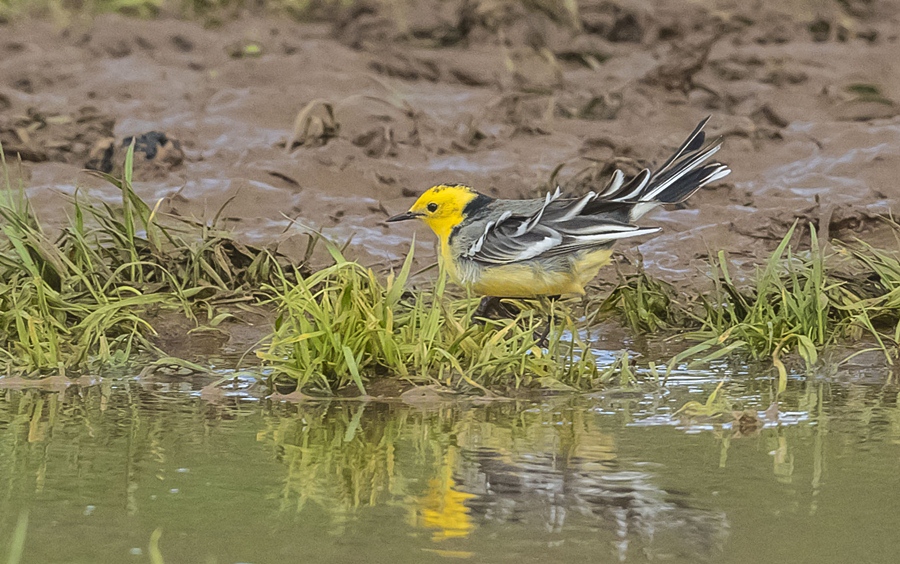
x=554, y=228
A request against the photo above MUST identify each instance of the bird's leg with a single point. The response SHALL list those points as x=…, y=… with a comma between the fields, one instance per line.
x=484, y=306
x=491, y=307
x=541, y=338
x=551, y=300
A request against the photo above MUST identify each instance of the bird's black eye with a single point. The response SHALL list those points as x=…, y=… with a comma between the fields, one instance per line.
x=432, y=207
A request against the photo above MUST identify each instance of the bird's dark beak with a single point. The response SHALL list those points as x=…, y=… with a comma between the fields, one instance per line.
x=404, y=217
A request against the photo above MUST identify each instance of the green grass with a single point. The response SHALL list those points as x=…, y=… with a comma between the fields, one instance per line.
x=799, y=302
x=879, y=305
x=343, y=323
x=792, y=306
x=644, y=304
x=76, y=301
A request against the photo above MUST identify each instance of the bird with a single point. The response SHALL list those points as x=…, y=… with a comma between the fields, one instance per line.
x=554, y=246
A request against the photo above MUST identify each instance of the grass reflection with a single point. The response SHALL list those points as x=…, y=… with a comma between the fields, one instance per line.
x=435, y=463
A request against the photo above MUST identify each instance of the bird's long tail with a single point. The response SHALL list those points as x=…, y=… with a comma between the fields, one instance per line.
x=685, y=172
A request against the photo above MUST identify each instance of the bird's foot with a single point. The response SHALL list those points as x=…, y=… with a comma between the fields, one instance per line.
x=491, y=307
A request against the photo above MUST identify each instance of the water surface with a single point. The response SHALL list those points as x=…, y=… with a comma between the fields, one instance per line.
x=615, y=478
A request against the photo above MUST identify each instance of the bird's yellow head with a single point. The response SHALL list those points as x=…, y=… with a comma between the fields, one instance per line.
x=441, y=207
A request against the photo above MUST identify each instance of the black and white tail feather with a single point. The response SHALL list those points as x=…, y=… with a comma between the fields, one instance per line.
x=597, y=220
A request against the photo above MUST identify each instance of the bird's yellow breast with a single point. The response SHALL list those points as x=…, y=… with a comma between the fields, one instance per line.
x=520, y=281
x=531, y=279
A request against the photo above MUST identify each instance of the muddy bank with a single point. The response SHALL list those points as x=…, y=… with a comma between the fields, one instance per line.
x=496, y=95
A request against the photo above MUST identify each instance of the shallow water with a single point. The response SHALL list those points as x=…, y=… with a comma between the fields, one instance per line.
x=614, y=478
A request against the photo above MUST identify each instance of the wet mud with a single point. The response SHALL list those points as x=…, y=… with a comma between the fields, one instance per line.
x=334, y=125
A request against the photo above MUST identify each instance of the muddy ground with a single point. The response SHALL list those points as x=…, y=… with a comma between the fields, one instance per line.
x=493, y=94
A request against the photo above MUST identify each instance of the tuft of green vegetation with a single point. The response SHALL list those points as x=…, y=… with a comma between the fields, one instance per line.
x=646, y=305
x=342, y=324
x=77, y=301
x=880, y=307
x=796, y=304
x=792, y=306
x=868, y=93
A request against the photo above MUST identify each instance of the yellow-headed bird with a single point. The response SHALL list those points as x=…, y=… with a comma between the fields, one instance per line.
x=553, y=245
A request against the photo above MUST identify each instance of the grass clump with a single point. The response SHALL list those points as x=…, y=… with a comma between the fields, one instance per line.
x=801, y=303
x=645, y=304
x=62, y=302
x=77, y=301
x=793, y=305
x=880, y=307
x=797, y=303
x=342, y=323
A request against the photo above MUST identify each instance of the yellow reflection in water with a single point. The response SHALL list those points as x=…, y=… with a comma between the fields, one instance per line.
x=443, y=508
